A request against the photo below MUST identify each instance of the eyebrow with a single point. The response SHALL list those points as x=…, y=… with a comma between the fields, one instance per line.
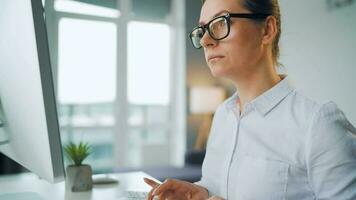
x=217, y=14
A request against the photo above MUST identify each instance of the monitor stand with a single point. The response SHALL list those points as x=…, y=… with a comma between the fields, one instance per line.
x=4, y=137
x=1, y=115
x=21, y=196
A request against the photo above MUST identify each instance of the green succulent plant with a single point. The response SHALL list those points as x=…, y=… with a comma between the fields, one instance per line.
x=77, y=152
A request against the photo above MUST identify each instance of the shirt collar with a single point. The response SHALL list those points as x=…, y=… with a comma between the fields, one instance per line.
x=266, y=101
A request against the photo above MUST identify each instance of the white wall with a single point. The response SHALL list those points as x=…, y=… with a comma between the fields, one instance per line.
x=318, y=50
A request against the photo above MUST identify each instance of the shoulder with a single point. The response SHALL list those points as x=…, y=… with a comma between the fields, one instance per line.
x=324, y=111
x=298, y=101
x=329, y=129
x=320, y=121
x=321, y=116
x=329, y=118
x=298, y=109
x=315, y=112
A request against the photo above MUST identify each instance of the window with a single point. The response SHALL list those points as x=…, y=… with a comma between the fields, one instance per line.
x=148, y=63
x=87, y=71
x=87, y=85
x=113, y=72
x=149, y=86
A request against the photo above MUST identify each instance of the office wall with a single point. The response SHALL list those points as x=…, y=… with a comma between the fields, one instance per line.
x=318, y=51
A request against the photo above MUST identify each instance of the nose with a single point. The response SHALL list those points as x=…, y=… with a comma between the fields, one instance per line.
x=207, y=41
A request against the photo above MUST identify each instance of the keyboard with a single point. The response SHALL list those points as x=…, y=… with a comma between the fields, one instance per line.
x=137, y=195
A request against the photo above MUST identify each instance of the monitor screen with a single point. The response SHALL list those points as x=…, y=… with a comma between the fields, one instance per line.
x=29, y=133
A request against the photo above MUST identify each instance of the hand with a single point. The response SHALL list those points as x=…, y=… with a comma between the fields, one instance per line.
x=173, y=189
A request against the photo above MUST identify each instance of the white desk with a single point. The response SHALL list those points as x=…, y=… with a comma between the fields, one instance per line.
x=31, y=183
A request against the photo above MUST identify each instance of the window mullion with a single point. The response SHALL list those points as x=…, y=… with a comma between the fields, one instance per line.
x=177, y=135
x=121, y=103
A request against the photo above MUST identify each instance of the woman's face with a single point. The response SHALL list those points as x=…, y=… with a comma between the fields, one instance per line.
x=237, y=54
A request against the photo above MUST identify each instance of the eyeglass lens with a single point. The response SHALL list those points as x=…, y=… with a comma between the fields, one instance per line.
x=196, y=36
x=218, y=29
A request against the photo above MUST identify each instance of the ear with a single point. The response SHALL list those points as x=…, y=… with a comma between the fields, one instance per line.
x=270, y=30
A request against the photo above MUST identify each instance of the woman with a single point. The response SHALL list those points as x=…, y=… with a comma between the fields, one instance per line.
x=267, y=141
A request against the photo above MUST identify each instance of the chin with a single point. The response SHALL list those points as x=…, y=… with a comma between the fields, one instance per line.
x=218, y=71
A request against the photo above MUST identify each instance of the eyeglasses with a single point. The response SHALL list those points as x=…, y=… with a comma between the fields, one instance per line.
x=219, y=27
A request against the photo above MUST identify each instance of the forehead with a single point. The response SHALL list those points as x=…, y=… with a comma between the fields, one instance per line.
x=213, y=8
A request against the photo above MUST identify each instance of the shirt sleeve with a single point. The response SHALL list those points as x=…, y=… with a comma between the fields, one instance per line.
x=331, y=155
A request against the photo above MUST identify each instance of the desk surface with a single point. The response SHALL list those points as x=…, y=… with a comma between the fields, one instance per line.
x=28, y=182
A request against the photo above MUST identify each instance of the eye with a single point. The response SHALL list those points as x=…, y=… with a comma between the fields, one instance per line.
x=218, y=23
x=218, y=28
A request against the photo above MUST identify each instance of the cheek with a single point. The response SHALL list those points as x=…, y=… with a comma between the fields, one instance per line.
x=243, y=43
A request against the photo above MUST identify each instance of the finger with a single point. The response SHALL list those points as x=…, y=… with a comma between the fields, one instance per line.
x=165, y=195
x=149, y=194
x=188, y=195
x=151, y=182
x=169, y=184
x=161, y=197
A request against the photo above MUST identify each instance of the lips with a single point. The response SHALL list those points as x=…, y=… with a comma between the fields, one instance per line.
x=214, y=57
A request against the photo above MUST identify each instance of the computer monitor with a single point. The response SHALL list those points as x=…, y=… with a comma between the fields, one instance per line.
x=29, y=133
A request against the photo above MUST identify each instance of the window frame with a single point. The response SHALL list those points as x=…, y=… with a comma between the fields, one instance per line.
x=177, y=106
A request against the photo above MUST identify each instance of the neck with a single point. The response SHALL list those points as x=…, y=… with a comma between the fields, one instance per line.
x=254, y=83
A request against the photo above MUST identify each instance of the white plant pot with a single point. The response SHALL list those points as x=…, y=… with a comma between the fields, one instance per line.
x=79, y=178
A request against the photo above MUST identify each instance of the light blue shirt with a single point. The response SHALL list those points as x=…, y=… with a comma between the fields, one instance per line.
x=282, y=146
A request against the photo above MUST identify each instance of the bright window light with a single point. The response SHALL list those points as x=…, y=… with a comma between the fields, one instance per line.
x=87, y=61
x=148, y=63
x=84, y=8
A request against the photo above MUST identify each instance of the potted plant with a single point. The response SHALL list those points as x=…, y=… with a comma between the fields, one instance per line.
x=79, y=175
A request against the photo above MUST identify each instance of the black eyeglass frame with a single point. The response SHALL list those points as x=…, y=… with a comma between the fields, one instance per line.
x=227, y=17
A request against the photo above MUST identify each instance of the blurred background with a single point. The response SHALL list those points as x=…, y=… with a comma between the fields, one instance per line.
x=129, y=82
